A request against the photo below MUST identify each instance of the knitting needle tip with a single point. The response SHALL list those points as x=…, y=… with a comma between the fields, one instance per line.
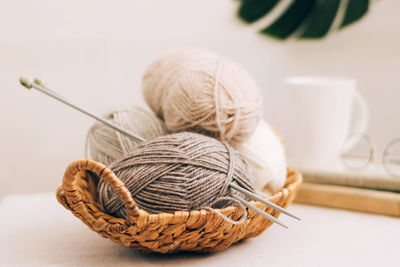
x=25, y=82
x=260, y=211
x=38, y=81
x=284, y=226
x=262, y=200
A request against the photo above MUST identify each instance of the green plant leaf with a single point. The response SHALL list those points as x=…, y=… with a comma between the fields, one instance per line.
x=252, y=10
x=305, y=19
x=321, y=19
x=291, y=19
x=355, y=10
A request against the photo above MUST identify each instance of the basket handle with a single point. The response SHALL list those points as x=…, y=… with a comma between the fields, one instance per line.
x=69, y=184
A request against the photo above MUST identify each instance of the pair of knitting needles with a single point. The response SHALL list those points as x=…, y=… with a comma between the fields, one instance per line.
x=39, y=85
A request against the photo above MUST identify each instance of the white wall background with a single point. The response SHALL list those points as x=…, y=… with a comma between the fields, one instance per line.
x=95, y=52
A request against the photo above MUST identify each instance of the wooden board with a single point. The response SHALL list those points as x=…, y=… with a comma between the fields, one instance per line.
x=359, y=199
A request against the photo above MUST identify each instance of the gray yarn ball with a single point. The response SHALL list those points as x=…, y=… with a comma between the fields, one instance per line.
x=183, y=171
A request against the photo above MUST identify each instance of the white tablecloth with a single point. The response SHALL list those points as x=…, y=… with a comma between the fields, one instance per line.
x=37, y=231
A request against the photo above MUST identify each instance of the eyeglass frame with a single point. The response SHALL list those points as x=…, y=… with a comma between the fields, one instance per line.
x=371, y=157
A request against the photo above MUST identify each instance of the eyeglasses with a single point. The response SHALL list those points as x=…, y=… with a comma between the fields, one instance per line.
x=358, y=152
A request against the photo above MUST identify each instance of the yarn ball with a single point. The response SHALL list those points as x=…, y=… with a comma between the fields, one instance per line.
x=265, y=153
x=105, y=145
x=183, y=171
x=199, y=91
x=161, y=74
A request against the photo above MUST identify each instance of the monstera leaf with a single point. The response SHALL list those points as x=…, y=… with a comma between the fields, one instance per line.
x=305, y=19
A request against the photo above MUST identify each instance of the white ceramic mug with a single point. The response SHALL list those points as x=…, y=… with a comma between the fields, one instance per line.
x=318, y=117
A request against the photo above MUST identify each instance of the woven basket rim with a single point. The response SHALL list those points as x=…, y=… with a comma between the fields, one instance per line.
x=133, y=211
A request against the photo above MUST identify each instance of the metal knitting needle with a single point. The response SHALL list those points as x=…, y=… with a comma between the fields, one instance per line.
x=260, y=211
x=266, y=202
x=38, y=84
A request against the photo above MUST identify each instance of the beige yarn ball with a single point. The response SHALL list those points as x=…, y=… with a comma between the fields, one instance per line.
x=105, y=145
x=161, y=74
x=202, y=92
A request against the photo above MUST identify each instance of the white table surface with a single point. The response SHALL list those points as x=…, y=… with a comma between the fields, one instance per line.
x=37, y=231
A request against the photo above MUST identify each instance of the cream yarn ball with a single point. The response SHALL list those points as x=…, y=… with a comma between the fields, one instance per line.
x=199, y=91
x=265, y=153
x=105, y=145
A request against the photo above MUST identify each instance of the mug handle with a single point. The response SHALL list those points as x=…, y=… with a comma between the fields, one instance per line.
x=361, y=124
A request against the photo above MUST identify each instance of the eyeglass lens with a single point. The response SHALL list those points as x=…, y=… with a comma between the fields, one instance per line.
x=391, y=158
x=356, y=152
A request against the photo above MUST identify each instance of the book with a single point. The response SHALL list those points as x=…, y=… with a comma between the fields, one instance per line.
x=361, y=180
x=373, y=177
x=351, y=198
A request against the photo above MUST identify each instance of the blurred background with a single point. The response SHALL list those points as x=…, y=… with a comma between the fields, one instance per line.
x=95, y=52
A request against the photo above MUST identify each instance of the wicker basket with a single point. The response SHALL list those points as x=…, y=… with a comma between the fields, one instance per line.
x=196, y=230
